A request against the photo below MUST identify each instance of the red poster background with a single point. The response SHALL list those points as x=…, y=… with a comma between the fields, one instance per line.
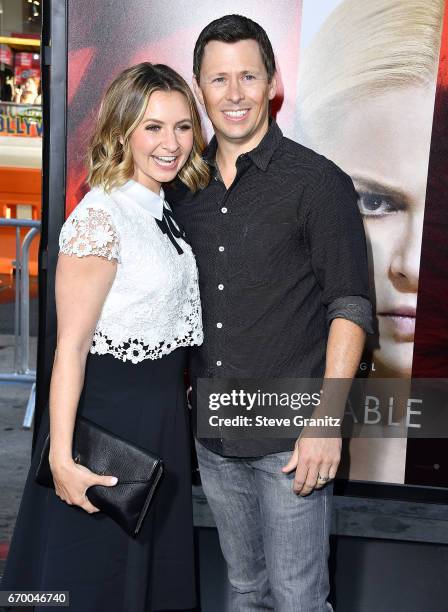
x=427, y=460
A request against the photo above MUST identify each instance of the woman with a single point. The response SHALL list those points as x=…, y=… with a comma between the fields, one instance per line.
x=30, y=93
x=127, y=305
x=366, y=99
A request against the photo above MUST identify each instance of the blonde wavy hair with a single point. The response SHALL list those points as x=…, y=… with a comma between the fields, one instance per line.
x=109, y=158
x=365, y=49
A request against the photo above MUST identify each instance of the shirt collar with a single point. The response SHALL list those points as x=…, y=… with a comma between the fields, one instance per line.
x=261, y=155
x=144, y=197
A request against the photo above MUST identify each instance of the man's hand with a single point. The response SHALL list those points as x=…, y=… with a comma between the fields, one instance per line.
x=311, y=458
x=319, y=457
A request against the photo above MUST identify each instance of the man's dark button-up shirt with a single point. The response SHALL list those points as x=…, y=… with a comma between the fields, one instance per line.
x=280, y=254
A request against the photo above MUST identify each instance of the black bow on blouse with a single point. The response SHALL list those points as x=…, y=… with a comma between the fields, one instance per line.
x=169, y=227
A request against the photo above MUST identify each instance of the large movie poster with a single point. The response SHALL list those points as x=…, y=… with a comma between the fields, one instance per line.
x=358, y=82
x=366, y=90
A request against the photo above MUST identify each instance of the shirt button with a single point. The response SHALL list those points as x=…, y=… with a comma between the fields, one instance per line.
x=223, y=210
x=221, y=249
x=221, y=287
x=219, y=325
x=219, y=363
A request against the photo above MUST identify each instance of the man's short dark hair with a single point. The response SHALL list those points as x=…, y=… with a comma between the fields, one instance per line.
x=231, y=29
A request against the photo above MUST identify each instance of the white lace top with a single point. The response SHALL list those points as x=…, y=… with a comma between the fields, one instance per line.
x=153, y=305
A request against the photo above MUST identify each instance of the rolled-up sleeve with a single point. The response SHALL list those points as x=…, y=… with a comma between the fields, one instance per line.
x=353, y=308
x=337, y=245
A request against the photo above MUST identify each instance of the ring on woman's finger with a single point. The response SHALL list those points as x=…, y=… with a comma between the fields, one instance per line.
x=322, y=478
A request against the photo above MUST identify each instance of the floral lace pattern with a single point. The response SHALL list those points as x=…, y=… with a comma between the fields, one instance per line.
x=153, y=306
x=135, y=350
x=90, y=231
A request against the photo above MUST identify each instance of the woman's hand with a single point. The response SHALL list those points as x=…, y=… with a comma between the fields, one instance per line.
x=72, y=480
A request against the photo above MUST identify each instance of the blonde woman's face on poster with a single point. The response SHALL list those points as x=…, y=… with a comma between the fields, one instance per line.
x=384, y=146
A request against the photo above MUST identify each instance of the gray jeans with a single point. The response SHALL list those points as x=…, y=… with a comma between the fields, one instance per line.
x=275, y=543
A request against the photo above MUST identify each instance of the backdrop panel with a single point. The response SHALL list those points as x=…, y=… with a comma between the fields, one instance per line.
x=358, y=81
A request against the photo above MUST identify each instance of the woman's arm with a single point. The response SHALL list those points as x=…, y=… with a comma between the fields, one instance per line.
x=82, y=284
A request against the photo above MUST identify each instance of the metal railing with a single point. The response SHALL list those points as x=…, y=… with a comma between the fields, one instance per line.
x=22, y=372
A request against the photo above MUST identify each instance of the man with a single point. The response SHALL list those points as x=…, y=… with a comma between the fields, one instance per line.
x=282, y=265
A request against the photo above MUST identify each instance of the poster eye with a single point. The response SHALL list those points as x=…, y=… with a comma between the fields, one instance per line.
x=376, y=205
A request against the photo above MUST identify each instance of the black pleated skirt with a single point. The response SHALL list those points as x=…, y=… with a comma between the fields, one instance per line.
x=60, y=547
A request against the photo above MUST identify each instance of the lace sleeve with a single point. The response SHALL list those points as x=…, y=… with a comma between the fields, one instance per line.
x=90, y=231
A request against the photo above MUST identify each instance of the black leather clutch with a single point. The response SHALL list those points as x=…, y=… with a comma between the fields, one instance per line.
x=137, y=470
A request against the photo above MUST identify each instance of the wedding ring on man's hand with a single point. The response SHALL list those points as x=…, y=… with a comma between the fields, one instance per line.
x=323, y=478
